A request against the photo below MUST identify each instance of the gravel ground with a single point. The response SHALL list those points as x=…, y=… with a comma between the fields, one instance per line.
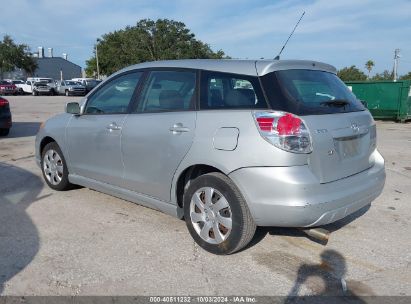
x=83, y=242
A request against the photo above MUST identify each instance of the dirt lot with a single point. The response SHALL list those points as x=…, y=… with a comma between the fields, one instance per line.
x=82, y=242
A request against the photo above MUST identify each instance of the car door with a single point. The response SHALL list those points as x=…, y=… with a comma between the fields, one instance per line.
x=94, y=137
x=59, y=86
x=28, y=86
x=159, y=132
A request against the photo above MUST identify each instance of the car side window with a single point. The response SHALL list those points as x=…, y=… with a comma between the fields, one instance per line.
x=230, y=91
x=168, y=91
x=115, y=96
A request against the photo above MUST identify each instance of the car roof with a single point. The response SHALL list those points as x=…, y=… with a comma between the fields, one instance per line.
x=236, y=66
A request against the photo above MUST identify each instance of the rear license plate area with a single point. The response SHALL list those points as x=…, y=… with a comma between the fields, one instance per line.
x=348, y=147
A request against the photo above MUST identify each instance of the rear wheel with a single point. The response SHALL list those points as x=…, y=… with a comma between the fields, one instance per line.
x=217, y=215
x=4, y=132
x=54, y=168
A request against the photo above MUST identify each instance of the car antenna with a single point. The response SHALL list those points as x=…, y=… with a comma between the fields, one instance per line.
x=278, y=56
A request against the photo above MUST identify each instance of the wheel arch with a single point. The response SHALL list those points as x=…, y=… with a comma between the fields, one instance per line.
x=46, y=140
x=186, y=176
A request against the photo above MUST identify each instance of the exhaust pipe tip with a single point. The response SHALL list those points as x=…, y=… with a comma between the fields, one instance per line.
x=319, y=234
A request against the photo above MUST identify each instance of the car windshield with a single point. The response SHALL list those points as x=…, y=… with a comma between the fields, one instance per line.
x=305, y=92
x=46, y=80
x=18, y=81
x=72, y=83
x=3, y=82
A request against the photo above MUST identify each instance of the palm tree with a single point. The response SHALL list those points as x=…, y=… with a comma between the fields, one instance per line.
x=369, y=65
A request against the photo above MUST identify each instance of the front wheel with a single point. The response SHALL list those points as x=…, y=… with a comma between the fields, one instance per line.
x=34, y=93
x=54, y=168
x=67, y=93
x=216, y=214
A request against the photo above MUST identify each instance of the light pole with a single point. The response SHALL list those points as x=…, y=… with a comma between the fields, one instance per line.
x=396, y=57
x=98, y=69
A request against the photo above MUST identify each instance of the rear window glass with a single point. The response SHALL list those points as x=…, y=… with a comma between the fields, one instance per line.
x=168, y=91
x=230, y=91
x=305, y=92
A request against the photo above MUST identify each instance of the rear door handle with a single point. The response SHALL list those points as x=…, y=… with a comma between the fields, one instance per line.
x=178, y=128
x=113, y=127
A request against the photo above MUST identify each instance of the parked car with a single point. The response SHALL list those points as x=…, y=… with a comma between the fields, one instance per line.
x=88, y=83
x=42, y=88
x=70, y=87
x=5, y=117
x=49, y=81
x=7, y=88
x=227, y=144
x=19, y=85
x=28, y=87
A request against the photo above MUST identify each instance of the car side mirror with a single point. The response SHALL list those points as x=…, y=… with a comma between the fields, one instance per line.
x=73, y=108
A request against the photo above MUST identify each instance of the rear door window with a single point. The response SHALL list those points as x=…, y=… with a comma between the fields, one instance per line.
x=230, y=91
x=305, y=92
x=168, y=91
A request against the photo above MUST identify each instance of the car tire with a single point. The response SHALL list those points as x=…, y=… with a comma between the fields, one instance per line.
x=213, y=202
x=4, y=132
x=67, y=93
x=54, y=168
x=34, y=93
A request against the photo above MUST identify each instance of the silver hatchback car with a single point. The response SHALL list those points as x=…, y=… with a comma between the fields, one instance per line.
x=227, y=144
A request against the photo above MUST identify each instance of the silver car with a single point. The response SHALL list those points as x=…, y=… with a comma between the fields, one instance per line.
x=227, y=145
x=70, y=88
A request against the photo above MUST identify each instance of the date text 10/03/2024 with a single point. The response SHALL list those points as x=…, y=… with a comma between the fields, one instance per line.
x=200, y=299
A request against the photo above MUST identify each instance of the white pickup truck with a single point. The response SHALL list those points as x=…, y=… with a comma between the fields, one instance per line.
x=28, y=86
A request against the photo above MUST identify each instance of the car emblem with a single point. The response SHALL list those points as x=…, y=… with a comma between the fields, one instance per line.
x=355, y=127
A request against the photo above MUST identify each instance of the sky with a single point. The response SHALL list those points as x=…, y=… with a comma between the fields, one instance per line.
x=342, y=33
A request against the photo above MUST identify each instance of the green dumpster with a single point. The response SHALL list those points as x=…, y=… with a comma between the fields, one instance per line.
x=385, y=99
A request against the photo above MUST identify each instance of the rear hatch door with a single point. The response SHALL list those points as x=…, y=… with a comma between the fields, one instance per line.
x=342, y=144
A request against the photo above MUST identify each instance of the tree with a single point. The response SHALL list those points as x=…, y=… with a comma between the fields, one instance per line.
x=351, y=73
x=386, y=75
x=369, y=65
x=15, y=56
x=406, y=76
x=148, y=40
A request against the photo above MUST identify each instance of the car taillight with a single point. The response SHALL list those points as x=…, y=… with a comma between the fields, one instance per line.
x=3, y=102
x=284, y=130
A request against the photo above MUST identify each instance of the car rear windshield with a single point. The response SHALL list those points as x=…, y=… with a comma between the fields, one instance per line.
x=309, y=92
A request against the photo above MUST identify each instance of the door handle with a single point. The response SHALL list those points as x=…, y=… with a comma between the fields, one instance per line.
x=178, y=128
x=113, y=127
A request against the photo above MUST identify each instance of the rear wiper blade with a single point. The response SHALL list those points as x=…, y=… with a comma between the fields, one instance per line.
x=335, y=102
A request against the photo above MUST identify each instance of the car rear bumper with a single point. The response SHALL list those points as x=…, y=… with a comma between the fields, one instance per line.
x=293, y=196
x=10, y=92
x=5, y=122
